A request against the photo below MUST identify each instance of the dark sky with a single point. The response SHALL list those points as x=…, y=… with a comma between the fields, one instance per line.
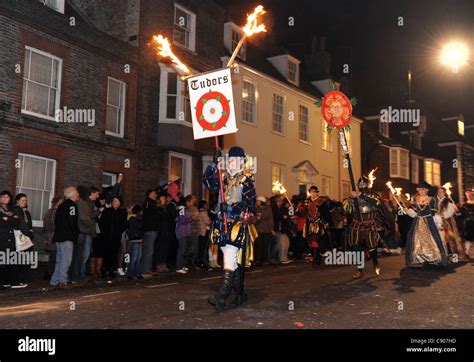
x=365, y=35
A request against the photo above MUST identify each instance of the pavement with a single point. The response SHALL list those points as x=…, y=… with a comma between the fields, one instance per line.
x=290, y=296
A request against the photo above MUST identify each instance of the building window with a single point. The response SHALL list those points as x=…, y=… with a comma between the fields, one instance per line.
x=278, y=173
x=115, y=107
x=249, y=102
x=109, y=179
x=184, y=29
x=293, y=72
x=41, y=84
x=303, y=125
x=180, y=167
x=36, y=177
x=326, y=140
x=346, y=189
x=461, y=127
x=57, y=5
x=175, y=106
x=399, y=163
x=415, y=170
x=236, y=37
x=277, y=114
x=326, y=185
x=433, y=172
x=384, y=129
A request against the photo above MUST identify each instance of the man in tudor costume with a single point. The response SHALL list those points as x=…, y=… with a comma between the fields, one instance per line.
x=365, y=210
x=238, y=207
x=318, y=221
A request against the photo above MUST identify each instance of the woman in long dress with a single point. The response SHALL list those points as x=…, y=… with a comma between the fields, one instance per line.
x=424, y=244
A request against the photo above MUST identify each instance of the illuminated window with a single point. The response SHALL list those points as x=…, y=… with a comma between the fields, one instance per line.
x=433, y=172
x=303, y=125
x=461, y=127
x=277, y=114
x=415, y=170
x=249, y=102
x=326, y=140
x=399, y=163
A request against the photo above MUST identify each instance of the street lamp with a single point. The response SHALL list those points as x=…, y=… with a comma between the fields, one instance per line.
x=454, y=55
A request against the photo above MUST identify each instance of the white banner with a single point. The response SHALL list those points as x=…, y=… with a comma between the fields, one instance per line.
x=212, y=104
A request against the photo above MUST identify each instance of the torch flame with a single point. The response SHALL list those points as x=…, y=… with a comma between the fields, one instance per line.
x=389, y=185
x=164, y=50
x=278, y=188
x=448, y=187
x=408, y=196
x=372, y=177
x=252, y=26
x=398, y=191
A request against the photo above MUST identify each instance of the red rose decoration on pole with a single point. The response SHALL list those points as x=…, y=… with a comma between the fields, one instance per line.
x=336, y=109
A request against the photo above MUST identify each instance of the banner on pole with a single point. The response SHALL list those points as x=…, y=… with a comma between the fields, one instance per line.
x=212, y=104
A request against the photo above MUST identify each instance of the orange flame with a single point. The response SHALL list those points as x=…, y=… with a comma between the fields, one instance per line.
x=371, y=177
x=448, y=187
x=164, y=50
x=398, y=191
x=392, y=190
x=278, y=188
x=252, y=26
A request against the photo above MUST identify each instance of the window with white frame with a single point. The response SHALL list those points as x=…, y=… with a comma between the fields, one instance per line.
x=236, y=36
x=184, y=28
x=57, y=5
x=41, y=83
x=109, y=179
x=249, y=102
x=277, y=113
x=326, y=140
x=115, y=119
x=433, y=172
x=36, y=177
x=175, y=106
x=303, y=124
x=293, y=72
x=384, y=129
x=415, y=169
x=326, y=185
x=278, y=173
x=180, y=167
x=399, y=163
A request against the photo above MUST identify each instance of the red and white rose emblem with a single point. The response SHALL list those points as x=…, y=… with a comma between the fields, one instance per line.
x=212, y=111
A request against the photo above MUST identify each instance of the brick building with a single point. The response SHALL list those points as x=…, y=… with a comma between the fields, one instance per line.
x=166, y=147
x=52, y=58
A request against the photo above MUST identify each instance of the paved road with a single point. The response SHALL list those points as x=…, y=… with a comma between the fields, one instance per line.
x=291, y=296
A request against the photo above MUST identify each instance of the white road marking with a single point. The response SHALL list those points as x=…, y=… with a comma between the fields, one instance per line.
x=96, y=295
x=161, y=285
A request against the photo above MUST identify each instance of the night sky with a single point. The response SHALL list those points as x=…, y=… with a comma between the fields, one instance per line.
x=365, y=35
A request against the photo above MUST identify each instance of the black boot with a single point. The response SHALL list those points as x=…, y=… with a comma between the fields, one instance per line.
x=218, y=301
x=241, y=296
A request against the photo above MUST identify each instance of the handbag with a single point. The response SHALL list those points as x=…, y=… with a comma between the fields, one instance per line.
x=22, y=241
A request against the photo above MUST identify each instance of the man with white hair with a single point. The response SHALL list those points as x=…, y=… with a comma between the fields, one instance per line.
x=238, y=208
x=66, y=232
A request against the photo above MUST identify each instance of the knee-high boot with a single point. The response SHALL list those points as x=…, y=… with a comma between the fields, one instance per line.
x=218, y=300
x=241, y=296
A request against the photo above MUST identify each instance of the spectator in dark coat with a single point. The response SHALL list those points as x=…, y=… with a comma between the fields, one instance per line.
x=66, y=232
x=151, y=223
x=113, y=224
x=8, y=222
x=48, y=233
x=25, y=225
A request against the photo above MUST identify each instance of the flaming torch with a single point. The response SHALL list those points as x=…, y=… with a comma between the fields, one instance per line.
x=164, y=50
x=395, y=192
x=252, y=27
x=280, y=189
x=448, y=187
x=372, y=178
